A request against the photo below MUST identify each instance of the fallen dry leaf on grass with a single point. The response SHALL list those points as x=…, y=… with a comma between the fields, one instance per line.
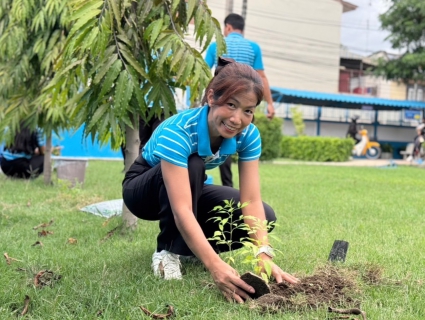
x=44, y=233
x=44, y=225
x=9, y=259
x=72, y=241
x=26, y=305
x=46, y=278
x=106, y=222
x=169, y=313
x=109, y=234
x=37, y=243
x=348, y=311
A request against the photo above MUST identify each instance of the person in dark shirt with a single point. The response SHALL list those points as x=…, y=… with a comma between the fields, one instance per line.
x=24, y=157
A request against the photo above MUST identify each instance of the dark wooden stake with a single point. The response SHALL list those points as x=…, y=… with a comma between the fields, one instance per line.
x=338, y=251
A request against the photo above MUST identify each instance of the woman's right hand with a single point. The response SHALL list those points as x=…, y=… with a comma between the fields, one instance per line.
x=229, y=283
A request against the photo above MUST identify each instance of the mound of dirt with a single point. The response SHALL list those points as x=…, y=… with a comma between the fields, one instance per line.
x=329, y=286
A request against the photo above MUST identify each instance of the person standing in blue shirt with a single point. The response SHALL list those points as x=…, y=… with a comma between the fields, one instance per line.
x=166, y=182
x=24, y=158
x=244, y=51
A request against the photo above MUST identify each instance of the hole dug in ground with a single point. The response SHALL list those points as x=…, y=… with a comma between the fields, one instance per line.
x=330, y=286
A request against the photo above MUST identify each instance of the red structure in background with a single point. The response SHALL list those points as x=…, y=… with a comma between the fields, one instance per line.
x=350, y=74
x=344, y=81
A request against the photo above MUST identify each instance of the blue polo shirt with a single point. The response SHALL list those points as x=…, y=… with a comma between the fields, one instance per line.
x=186, y=133
x=238, y=48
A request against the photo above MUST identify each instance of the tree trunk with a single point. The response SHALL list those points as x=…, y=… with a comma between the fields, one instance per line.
x=131, y=153
x=47, y=166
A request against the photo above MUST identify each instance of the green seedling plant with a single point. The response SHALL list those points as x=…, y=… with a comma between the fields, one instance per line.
x=228, y=223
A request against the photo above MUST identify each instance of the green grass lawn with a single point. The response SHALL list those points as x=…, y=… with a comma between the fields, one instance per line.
x=380, y=212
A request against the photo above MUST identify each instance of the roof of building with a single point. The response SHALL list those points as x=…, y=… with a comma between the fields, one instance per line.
x=347, y=6
x=345, y=53
x=347, y=101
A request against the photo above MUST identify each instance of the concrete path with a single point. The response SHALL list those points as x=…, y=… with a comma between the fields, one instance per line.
x=354, y=163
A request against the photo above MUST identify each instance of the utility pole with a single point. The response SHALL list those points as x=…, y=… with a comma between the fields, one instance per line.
x=229, y=7
x=244, y=8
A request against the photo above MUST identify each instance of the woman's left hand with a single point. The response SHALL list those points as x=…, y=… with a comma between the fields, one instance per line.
x=277, y=272
x=281, y=275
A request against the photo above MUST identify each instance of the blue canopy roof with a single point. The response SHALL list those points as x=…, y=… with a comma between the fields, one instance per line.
x=346, y=101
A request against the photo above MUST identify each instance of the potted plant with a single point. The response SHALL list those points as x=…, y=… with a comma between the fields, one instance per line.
x=387, y=151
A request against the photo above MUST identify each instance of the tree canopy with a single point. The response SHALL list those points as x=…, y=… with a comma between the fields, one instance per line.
x=405, y=20
x=32, y=35
x=122, y=56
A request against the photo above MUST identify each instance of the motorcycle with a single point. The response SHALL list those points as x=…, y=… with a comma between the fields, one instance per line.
x=365, y=147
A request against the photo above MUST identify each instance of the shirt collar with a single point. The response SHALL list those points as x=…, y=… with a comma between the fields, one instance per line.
x=235, y=34
x=228, y=146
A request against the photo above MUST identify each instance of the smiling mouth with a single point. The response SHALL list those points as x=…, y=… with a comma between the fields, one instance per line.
x=229, y=127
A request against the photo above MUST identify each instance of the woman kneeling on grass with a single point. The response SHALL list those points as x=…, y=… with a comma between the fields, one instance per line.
x=24, y=158
x=166, y=182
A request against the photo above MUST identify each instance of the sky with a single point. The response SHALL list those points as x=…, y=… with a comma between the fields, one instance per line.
x=361, y=29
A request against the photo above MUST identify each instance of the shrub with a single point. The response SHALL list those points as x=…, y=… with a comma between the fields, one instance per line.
x=298, y=120
x=317, y=148
x=271, y=136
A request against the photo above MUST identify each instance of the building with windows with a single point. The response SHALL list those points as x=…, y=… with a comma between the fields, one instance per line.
x=307, y=67
x=300, y=40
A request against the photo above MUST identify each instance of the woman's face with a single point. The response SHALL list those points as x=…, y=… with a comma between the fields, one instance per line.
x=233, y=116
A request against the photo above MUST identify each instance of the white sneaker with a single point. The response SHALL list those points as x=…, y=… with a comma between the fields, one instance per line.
x=166, y=264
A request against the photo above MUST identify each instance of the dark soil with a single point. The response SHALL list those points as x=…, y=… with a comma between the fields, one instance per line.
x=260, y=286
x=328, y=287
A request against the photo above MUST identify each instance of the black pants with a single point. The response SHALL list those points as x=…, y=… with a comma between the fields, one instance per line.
x=226, y=173
x=145, y=195
x=354, y=136
x=23, y=168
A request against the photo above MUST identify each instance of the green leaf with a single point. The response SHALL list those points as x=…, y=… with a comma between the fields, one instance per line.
x=153, y=31
x=133, y=62
x=166, y=39
x=268, y=268
x=217, y=233
x=116, y=12
x=190, y=7
x=176, y=57
x=124, y=39
x=98, y=114
x=110, y=77
x=165, y=53
x=90, y=5
x=128, y=90
x=83, y=20
x=120, y=89
x=175, y=5
x=106, y=65
x=90, y=39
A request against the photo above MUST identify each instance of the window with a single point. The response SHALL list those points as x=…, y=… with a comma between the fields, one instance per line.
x=420, y=95
x=410, y=94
